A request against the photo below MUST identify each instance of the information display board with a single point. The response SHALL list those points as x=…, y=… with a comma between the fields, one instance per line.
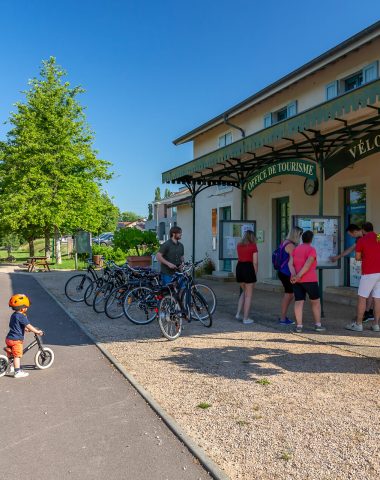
x=326, y=239
x=82, y=242
x=230, y=234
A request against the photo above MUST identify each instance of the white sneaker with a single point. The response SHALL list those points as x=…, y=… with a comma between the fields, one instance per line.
x=21, y=374
x=11, y=369
x=247, y=321
x=375, y=328
x=354, y=326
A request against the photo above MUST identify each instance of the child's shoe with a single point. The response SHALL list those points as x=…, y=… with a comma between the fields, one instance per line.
x=21, y=374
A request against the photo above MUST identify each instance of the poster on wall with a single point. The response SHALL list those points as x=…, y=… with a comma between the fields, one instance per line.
x=326, y=239
x=230, y=234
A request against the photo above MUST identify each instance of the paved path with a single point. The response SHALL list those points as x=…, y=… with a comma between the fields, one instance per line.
x=80, y=419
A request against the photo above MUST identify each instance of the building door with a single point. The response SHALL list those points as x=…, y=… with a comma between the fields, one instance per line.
x=225, y=214
x=282, y=219
x=354, y=212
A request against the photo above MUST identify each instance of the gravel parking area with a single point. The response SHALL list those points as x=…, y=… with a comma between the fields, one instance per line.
x=278, y=405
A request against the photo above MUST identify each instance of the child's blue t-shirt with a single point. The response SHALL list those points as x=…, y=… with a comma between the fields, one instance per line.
x=17, y=325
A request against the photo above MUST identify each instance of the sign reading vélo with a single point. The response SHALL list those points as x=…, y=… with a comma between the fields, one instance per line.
x=303, y=168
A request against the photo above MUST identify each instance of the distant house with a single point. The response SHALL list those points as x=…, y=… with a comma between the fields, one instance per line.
x=165, y=213
x=139, y=224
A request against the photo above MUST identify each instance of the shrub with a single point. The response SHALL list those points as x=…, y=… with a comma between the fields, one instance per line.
x=109, y=253
x=142, y=242
x=205, y=268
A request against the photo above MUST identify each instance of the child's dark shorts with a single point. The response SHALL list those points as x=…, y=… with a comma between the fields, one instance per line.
x=301, y=289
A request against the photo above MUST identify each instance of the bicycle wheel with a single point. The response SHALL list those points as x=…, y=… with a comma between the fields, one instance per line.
x=76, y=286
x=199, y=309
x=140, y=305
x=44, y=358
x=90, y=291
x=100, y=297
x=114, y=303
x=208, y=295
x=170, y=317
x=3, y=365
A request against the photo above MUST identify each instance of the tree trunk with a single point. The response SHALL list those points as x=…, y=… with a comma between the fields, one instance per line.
x=31, y=246
x=9, y=250
x=58, y=257
x=47, y=243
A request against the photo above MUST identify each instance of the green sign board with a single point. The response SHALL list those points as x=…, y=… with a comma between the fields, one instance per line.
x=303, y=168
x=359, y=149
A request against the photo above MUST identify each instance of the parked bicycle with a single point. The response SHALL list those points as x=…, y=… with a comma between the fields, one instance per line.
x=182, y=301
x=76, y=285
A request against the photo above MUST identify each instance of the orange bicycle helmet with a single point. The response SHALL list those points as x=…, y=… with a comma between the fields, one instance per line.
x=19, y=300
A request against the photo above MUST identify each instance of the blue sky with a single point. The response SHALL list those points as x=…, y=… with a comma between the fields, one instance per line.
x=155, y=69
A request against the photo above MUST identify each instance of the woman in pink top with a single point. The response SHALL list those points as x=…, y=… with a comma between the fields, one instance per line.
x=303, y=269
x=246, y=271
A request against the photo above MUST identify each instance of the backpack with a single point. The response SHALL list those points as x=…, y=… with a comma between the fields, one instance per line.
x=280, y=256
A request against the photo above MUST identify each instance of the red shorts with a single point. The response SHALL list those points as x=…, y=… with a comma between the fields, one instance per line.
x=15, y=348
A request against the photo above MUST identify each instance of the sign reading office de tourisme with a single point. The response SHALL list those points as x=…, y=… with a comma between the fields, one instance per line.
x=303, y=168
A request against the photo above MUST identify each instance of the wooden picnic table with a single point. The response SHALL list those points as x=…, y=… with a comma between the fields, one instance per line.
x=34, y=262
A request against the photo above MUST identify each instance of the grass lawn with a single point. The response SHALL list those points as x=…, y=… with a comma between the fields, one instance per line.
x=22, y=254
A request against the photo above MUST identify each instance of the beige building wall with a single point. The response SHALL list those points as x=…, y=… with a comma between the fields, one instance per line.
x=308, y=92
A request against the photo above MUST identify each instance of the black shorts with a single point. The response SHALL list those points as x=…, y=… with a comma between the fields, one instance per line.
x=301, y=289
x=245, y=272
x=285, y=280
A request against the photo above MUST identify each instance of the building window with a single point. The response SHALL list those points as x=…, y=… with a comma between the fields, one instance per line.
x=367, y=74
x=165, y=211
x=174, y=211
x=354, y=81
x=280, y=115
x=225, y=139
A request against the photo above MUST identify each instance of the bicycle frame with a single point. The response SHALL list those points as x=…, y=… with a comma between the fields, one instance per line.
x=32, y=344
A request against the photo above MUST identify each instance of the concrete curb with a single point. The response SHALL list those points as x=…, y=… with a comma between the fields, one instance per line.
x=198, y=452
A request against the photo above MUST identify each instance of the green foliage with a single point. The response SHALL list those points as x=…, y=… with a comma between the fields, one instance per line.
x=49, y=169
x=204, y=405
x=205, y=268
x=167, y=193
x=129, y=217
x=143, y=242
x=150, y=211
x=109, y=214
x=157, y=193
x=263, y=381
x=109, y=253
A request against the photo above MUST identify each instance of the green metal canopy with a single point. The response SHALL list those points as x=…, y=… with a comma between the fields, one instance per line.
x=320, y=132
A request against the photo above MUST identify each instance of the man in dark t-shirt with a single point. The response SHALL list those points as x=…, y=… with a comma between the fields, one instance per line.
x=171, y=255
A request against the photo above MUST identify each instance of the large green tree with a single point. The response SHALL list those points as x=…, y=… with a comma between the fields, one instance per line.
x=50, y=174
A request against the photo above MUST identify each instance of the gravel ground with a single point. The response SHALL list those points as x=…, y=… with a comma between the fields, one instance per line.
x=281, y=405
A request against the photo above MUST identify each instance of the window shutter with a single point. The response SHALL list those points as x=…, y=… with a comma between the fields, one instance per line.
x=370, y=72
x=292, y=109
x=228, y=137
x=332, y=90
x=267, y=120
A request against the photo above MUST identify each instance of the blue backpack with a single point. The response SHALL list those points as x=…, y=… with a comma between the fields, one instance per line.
x=280, y=256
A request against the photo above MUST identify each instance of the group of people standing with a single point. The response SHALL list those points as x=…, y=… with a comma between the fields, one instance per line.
x=297, y=271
